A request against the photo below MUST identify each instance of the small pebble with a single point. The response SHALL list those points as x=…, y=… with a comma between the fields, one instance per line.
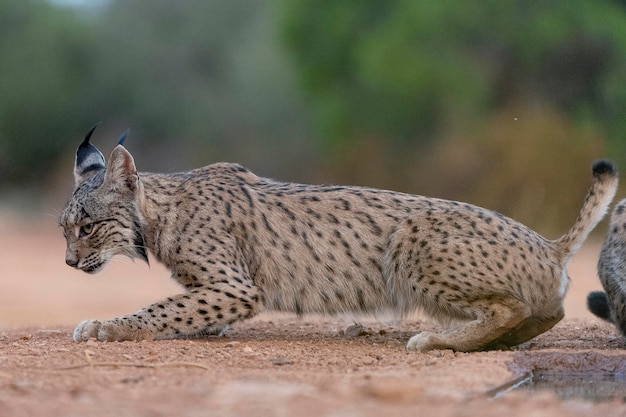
x=357, y=330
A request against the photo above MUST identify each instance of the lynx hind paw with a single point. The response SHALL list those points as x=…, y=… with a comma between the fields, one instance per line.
x=218, y=331
x=86, y=329
x=421, y=342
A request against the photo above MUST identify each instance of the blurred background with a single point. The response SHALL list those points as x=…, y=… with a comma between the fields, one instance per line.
x=502, y=103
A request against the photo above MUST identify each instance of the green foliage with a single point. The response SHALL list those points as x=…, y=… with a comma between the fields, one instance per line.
x=194, y=80
x=414, y=95
x=44, y=55
x=532, y=164
x=410, y=70
x=199, y=78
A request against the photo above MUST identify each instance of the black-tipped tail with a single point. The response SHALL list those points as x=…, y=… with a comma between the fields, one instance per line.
x=604, y=167
x=598, y=304
x=599, y=196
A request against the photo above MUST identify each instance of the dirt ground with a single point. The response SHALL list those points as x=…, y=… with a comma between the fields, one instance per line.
x=273, y=365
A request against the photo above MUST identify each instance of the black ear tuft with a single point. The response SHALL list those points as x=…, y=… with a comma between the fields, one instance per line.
x=89, y=160
x=88, y=136
x=123, y=137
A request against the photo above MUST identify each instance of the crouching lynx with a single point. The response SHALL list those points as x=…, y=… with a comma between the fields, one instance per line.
x=238, y=242
x=611, y=304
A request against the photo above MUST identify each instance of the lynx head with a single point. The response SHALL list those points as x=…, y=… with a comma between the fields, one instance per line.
x=100, y=219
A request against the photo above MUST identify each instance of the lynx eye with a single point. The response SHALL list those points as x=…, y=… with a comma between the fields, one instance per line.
x=86, y=229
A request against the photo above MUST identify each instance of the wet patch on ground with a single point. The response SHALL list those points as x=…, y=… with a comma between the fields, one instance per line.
x=591, y=376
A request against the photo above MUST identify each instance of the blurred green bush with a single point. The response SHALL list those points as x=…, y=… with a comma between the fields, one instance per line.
x=501, y=103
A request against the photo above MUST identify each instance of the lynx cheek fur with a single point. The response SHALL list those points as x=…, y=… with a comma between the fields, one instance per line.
x=237, y=242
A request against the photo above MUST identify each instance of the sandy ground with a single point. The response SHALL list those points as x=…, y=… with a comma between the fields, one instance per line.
x=276, y=365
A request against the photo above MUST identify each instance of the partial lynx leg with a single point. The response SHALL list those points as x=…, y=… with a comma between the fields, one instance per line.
x=610, y=305
x=202, y=310
x=528, y=329
x=494, y=319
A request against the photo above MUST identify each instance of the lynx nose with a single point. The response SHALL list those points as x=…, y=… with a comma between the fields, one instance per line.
x=71, y=260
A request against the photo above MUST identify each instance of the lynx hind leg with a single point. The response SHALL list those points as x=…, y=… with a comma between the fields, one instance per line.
x=449, y=280
x=481, y=315
x=493, y=320
x=528, y=329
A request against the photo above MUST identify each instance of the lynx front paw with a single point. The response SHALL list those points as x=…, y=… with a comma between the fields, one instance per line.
x=108, y=331
x=86, y=329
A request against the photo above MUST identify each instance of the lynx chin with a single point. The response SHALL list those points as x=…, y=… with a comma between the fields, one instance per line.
x=239, y=243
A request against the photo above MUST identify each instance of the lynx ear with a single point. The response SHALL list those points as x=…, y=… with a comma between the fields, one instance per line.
x=120, y=171
x=89, y=160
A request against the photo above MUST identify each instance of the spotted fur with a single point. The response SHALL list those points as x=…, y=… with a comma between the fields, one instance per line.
x=610, y=305
x=238, y=243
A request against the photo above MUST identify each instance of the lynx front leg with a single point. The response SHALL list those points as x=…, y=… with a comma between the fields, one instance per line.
x=199, y=312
